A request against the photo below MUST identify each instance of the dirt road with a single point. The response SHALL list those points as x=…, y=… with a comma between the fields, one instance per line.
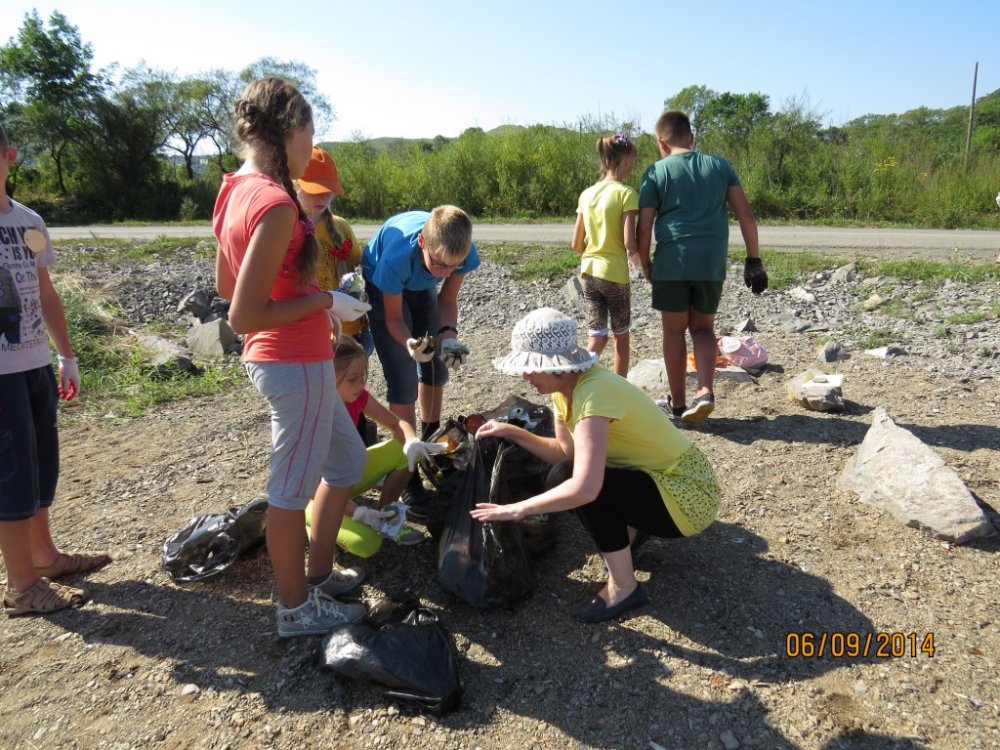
x=974, y=244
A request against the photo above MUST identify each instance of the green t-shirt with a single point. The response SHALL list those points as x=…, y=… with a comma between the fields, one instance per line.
x=603, y=207
x=641, y=436
x=688, y=192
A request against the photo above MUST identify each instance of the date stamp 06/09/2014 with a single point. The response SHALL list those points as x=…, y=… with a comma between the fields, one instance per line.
x=838, y=644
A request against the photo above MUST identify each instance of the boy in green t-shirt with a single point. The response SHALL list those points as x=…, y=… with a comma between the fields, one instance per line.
x=684, y=196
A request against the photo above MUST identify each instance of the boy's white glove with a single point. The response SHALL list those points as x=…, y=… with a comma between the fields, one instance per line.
x=346, y=307
x=371, y=516
x=454, y=353
x=415, y=449
x=422, y=349
x=69, y=378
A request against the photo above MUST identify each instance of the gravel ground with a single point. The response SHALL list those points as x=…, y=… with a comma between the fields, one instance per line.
x=153, y=664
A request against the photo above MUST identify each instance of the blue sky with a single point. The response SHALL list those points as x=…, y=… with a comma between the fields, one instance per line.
x=440, y=66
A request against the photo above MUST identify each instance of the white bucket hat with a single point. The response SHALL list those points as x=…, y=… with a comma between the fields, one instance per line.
x=544, y=340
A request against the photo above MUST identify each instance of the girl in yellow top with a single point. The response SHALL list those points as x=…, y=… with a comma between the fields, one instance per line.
x=605, y=235
x=619, y=462
x=340, y=252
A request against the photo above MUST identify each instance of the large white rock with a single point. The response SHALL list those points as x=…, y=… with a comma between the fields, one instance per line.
x=817, y=391
x=894, y=470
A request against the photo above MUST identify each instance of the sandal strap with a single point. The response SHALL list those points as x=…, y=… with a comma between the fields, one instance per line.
x=41, y=597
x=76, y=562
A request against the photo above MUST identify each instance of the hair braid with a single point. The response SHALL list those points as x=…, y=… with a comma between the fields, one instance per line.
x=267, y=112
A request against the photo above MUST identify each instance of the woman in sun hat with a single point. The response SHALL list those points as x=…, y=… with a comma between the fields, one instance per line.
x=618, y=460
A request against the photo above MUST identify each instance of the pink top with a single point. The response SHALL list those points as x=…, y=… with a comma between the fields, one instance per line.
x=242, y=202
x=357, y=406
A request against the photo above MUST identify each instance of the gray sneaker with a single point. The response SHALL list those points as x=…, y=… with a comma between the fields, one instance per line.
x=340, y=581
x=317, y=615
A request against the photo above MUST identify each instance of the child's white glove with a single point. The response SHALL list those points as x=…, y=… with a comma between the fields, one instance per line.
x=422, y=349
x=416, y=450
x=371, y=516
x=454, y=353
x=69, y=378
x=346, y=307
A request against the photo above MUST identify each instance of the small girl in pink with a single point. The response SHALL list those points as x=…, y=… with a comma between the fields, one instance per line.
x=391, y=461
x=266, y=265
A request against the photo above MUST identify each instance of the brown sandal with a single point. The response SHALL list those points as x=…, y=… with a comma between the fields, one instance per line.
x=77, y=562
x=42, y=597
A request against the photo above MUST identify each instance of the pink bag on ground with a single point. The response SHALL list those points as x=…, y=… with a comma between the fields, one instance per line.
x=743, y=352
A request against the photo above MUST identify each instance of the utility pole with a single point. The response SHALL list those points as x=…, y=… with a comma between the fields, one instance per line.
x=972, y=115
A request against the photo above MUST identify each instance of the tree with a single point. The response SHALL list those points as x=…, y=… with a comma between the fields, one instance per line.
x=691, y=100
x=223, y=87
x=46, y=72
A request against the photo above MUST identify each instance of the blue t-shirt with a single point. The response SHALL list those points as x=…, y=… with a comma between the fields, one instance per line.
x=393, y=262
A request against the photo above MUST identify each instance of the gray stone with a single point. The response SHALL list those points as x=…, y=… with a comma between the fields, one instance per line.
x=197, y=303
x=831, y=351
x=573, y=292
x=729, y=741
x=817, y=391
x=844, y=274
x=894, y=470
x=650, y=375
x=802, y=295
x=746, y=325
x=164, y=354
x=872, y=302
x=211, y=340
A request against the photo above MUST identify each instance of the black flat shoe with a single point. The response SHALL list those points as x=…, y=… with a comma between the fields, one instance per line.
x=598, y=611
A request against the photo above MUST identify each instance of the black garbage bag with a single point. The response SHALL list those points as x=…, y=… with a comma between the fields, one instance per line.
x=526, y=472
x=391, y=608
x=485, y=564
x=413, y=661
x=209, y=544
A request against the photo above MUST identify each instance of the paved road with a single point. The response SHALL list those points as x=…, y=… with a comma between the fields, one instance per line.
x=976, y=244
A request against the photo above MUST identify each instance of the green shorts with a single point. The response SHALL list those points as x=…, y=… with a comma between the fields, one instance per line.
x=681, y=296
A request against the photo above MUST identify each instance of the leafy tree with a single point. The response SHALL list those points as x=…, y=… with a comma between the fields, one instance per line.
x=46, y=71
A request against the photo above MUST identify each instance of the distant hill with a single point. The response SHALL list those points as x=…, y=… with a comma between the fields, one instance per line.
x=428, y=143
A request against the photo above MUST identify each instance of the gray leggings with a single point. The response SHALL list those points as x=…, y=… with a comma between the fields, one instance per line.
x=312, y=435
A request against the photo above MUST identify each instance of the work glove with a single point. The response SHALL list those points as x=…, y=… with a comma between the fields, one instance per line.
x=372, y=516
x=415, y=449
x=421, y=349
x=69, y=378
x=454, y=353
x=754, y=275
x=346, y=307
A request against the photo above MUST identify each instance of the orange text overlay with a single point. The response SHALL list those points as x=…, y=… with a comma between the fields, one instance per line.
x=850, y=645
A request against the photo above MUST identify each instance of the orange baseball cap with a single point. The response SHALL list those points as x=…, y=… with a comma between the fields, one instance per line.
x=321, y=174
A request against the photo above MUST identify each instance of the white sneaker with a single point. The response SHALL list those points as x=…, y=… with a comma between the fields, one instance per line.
x=340, y=581
x=317, y=615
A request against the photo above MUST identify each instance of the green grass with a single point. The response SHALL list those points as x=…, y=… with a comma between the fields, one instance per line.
x=116, y=377
x=880, y=337
x=529, y=262
x=74, y=252
x=932, y=271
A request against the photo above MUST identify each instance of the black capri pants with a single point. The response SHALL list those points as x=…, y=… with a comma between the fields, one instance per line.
x=628, y=497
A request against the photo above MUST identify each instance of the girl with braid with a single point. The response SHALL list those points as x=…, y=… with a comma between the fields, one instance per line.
x=266, y=265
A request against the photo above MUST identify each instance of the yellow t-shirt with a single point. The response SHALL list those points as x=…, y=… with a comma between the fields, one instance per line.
x=641, y=436
x=603, y=207
x=329, y=268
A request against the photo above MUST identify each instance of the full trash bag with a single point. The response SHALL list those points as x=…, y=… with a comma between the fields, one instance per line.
x=413, y=661
x=484, y=564
x=525, y=472
x=209, y=544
